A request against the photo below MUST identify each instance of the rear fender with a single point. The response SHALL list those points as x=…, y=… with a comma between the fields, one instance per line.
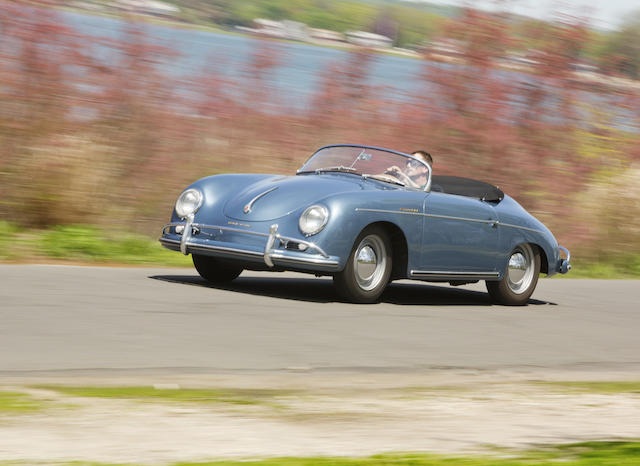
x=517, y=226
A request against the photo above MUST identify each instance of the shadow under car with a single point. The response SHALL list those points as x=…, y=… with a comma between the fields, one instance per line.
x=321, y=290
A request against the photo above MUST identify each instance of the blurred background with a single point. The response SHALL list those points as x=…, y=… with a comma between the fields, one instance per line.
x=109, y=108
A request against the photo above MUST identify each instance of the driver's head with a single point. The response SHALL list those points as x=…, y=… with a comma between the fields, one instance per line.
x=420, y=154
x=416, y=170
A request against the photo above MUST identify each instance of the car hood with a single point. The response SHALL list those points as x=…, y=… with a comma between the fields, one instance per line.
x=276, y=197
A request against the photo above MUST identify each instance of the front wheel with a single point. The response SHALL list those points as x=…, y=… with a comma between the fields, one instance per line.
x=368, y=268
x=520, y=277
x=215, y=270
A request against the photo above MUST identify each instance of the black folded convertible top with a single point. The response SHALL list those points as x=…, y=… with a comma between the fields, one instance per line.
x=466, y=187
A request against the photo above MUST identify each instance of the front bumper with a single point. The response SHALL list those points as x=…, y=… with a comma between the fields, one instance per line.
x=564, y=265
x=272, y=249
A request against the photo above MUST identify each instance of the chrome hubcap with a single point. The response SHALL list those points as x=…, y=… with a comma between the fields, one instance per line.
x=517, y=267
x=369, y=262
x=520, y=269
x=366, y=263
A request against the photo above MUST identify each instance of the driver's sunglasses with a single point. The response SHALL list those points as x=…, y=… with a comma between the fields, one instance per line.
x=413, y=164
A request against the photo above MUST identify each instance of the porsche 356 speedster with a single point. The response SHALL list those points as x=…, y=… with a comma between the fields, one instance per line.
x=349, y=213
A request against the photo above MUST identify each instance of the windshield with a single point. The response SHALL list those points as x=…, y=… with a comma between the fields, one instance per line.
x=370, y=162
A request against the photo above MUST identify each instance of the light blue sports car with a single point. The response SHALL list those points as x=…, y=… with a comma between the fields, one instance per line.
x=363, y=215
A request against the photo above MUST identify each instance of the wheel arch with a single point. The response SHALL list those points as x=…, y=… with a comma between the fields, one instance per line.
x=544, y=261
x=544, y=244
x=399, y=248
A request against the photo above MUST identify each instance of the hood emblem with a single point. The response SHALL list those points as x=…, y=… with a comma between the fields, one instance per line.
x=247, y=208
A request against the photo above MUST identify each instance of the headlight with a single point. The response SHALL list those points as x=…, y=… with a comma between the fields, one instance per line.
x=313, y=220
x=188, y=202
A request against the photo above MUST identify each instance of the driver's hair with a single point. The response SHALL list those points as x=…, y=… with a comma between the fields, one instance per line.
x=426, y=156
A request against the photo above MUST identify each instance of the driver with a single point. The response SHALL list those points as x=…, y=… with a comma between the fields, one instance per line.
x=415, y=174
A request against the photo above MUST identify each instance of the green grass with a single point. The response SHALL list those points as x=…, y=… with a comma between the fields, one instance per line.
x=91, y=244
x=610, y=268
x=579, y=454
x=597, y=387
x=583, y=454
x=16, y=402
x=181, y=395
x=87, y=244
x=8, y=236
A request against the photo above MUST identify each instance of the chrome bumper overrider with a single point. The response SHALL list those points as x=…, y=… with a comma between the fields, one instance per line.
x=564, y=265
x=307, y=253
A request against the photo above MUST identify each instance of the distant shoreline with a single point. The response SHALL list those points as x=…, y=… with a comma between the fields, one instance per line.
x=167, y=22
x=587, y=79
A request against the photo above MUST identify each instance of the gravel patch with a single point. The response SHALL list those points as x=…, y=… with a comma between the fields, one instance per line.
x=332, y=416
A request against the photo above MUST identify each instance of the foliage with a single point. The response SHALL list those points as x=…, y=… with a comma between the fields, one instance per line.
x=610, y=212
x=16, y=402
x=606, y=267
x=621, y=51
x=614, y=453
x=180, y=395
x=579, y=454
x=598, y=387
x=82, y=243
x=86, y=243
x=7, y=238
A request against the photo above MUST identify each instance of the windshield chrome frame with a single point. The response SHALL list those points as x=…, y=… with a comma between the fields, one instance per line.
x=427, y=187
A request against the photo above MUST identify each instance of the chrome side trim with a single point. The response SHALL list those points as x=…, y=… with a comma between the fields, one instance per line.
x=448, y=217
x=463, y=219
x=493, y=223
x=384, y=211
x=520, y=227
x=247, y=208
x=453, y=275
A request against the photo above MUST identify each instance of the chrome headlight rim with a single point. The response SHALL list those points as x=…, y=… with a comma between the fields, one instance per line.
x=304, y=219
x=184, y=210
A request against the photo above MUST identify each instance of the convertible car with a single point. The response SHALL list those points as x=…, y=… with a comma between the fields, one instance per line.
x=350, y=214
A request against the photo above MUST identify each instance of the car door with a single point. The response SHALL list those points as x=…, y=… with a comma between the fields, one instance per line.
x=460, y=234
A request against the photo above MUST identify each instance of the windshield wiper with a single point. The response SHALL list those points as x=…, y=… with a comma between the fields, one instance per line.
x=385, y=178
x=336, y=168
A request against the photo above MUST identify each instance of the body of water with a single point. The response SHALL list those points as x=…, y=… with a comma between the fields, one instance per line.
x=300, y=67
x=295, y=78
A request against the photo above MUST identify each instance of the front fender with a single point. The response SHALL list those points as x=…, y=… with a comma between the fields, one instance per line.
x=351, y=213
x=217, y=190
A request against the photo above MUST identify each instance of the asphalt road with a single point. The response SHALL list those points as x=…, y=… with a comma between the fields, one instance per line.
x=68, y=319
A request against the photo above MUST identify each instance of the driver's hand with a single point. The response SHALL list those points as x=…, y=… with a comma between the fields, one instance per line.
x=393, y=170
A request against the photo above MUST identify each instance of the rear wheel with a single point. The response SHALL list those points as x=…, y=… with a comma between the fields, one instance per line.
x=368, y=268
x=520, y=277
x=215, y=270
